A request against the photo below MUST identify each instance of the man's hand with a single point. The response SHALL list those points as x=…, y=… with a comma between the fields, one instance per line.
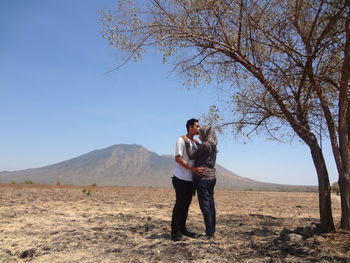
x=199, y=170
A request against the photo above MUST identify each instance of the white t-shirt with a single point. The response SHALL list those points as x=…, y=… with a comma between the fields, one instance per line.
x=180, y=149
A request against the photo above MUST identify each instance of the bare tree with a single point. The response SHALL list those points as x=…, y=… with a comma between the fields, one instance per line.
x=287, y=64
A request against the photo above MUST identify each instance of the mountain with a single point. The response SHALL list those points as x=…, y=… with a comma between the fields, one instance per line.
x=125, y=165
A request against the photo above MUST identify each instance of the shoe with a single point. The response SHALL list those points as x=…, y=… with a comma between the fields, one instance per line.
x=207, y=237
x=188, y=233
x=178, y=237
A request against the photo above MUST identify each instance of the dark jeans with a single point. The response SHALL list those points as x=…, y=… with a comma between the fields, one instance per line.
x=184, y=191
x=205, y=192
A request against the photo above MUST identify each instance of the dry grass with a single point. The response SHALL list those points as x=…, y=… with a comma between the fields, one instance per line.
x=118, y=224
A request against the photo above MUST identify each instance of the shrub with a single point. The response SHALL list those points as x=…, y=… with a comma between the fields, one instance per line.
x=335, y=188
x=86, y=191
x=28, y=182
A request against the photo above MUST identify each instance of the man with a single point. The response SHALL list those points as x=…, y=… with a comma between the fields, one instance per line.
x=183, y=183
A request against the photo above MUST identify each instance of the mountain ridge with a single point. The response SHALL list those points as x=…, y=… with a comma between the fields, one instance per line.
x=126, y=165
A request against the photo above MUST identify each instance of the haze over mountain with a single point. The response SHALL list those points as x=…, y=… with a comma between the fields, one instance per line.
x=124, y=165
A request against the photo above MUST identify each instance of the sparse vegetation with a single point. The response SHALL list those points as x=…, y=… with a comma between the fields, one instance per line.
x=93, y=185
x=335, y=188
x=28, y=182
x=86, y=191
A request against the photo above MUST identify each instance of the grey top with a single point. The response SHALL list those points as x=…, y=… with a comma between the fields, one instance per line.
x=204, y=156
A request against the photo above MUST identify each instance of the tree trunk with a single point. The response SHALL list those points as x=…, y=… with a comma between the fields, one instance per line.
x=344, y=131
x=324, y=189
x=344, y=186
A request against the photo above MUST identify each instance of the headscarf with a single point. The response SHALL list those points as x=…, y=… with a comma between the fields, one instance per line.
x=208, y=135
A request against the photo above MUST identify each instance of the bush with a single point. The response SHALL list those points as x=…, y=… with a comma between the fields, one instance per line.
x=28, y=182
x=86, y=191
x=335, y=188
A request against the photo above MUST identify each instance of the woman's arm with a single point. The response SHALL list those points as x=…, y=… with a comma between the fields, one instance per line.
x=192, y=155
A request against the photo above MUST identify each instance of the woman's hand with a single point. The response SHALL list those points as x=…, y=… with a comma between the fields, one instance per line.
x=196, y=142
x=184, y=137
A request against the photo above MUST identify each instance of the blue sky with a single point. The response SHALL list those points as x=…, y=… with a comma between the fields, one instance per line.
x=58, y=103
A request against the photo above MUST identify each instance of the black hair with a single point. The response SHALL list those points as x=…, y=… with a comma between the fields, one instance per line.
x=190, y=123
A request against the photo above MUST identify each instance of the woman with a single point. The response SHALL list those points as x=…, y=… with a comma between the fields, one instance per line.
x=205, y=156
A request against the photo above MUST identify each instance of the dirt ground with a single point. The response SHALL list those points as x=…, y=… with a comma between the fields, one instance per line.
x=117, y=224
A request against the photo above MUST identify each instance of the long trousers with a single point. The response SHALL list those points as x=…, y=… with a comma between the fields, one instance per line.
x=205, y=192
x=184, y=192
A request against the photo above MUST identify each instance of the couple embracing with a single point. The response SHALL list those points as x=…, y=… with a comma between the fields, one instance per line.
x=194, y=171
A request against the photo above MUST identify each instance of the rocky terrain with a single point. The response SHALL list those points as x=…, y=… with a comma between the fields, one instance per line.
x=41, y=223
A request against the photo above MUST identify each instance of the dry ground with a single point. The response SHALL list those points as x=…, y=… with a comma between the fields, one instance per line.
x=115, y=224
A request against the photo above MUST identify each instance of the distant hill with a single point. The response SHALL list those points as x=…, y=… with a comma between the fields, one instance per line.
x=127, y=165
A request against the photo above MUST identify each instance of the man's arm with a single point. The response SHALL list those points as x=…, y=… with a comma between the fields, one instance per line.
x=183, y=163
